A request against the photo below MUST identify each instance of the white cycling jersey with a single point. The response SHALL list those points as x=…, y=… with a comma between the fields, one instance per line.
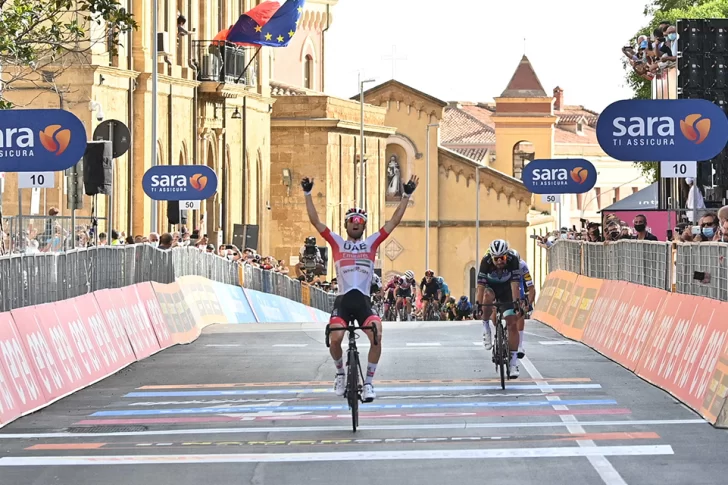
x=354, y=260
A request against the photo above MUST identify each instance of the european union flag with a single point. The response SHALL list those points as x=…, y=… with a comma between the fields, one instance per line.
x=258, y=27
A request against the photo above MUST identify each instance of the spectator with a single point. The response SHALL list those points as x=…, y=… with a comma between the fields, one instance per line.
x=723, y=233
x=640, y=227
x=166, y=241
x=102, y=239
x=706, y=230
x=154, y=239
x=129, y=240
x=593, y=233
x=318, y=260
x=210, y=249
x=115, y=241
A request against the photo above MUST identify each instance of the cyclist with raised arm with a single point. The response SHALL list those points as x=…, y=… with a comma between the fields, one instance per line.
x=499, y=281
x=354, y=262
x=528, y=295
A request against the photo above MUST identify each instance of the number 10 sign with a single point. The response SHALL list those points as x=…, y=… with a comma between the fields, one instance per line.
x=674, y=170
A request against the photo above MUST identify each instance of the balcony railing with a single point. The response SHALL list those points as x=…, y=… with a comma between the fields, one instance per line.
x=224, y=62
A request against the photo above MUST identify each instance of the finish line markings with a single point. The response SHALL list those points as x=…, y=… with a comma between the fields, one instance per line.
x=378, y=427
x=424, y=344
x=328, y=390
x=229, y=418
x=343, y=407
x=328, y=383
x=354, y=456
x=337, y=441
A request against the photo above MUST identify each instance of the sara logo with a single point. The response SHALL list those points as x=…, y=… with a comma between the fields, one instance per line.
x=663, y=130
x=559, y=176
x=40, y=140
x=180, y=182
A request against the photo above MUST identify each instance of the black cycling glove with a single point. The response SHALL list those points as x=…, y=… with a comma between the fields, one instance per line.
x=307, y=185
x=409, y=187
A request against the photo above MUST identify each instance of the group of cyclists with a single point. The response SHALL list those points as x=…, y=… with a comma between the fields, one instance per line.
x=503, y=277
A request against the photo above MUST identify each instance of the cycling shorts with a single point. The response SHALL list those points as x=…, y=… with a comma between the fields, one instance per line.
x=503, y=294
x=404, y=292
x=353, y=304
x=389, y=298
x=429, y=297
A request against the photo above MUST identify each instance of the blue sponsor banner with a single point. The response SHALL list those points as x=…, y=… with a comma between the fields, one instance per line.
x=559, y=176
x=662, y=130
x=234, y=304
x=299, y=312
x=180, y=182
x=269, y=308
x=40, y=140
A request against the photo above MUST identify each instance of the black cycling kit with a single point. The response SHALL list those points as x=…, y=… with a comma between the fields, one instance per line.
x=429, y=289
x=499, y=280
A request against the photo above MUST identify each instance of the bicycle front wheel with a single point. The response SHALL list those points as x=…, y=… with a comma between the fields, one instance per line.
x=501, y=349
x=353, y=388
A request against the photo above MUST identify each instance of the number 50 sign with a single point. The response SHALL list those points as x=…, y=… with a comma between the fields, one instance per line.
x=551, y=198
x=189, y=205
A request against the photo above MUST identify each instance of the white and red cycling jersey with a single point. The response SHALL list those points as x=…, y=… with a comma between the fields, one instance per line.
x=354, y=260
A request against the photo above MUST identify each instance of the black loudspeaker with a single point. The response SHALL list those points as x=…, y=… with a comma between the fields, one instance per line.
x=97, y=168
x=251, y=237
x=173, y=212
x=239, y=236
x=174, y=215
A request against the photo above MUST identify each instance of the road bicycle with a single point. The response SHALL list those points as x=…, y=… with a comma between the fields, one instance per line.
x=433, y=310
x=501, y=349
x=353, y=367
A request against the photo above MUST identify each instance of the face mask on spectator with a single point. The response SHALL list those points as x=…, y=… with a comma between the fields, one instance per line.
x=708, y=232
x=640, y=227
x=672, y=36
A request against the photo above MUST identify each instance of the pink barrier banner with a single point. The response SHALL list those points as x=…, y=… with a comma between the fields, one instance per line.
x=20, y=392
x=42, y=349
x=88, y=354
x=140, y=333
x=101, y=333
x=149, y=301
x=111, y=314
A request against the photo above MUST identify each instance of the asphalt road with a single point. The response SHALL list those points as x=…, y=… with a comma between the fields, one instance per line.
x=252, y=404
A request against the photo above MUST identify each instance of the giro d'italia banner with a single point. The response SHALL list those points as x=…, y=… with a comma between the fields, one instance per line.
x=40, y=140
x=180, y=182
x=559, y=176
x=662, y=130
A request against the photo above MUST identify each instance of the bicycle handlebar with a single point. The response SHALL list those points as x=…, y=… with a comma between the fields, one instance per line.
x=351, y=327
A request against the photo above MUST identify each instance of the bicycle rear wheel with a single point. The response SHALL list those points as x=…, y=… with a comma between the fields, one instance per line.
x=353, y=387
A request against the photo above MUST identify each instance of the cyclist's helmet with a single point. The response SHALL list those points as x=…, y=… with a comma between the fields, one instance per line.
x=356, y=215
x=463, y=298
x=409, y=274
x=440, y=279
x=498, y=248
x=429, y=273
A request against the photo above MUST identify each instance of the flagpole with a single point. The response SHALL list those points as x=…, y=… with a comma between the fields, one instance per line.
x=248, y=64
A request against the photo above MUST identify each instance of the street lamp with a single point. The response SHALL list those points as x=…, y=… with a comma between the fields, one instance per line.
x=427, y=196
x=361, y=140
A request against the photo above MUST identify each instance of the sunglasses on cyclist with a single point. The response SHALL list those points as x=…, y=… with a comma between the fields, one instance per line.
x=357, y=220
x=500, y=258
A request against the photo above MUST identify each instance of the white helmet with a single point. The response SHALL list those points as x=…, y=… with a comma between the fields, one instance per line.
x=409, y=274
x=499, y=247
x=376, y=281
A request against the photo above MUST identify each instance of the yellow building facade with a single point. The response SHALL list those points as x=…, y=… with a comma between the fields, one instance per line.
x=210, y=111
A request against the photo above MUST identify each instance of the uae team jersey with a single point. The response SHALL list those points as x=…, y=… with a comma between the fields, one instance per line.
x=354, y=260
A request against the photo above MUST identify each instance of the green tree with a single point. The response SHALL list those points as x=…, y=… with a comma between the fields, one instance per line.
x=40, y=38
x=668, y=11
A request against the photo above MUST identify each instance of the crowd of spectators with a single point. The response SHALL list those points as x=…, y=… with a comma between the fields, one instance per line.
x=653, y=53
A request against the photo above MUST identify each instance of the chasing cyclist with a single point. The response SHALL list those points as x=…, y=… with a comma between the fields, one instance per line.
x=405, y=286
x=354, y=262
x=444, y=294
x=499, y=281
x=430, y=291
x=389, y=292
x=528, y=295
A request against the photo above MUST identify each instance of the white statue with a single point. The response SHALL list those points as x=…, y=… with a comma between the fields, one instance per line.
x=394, y=178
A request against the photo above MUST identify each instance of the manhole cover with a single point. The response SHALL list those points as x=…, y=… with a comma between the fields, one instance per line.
x=106, y=429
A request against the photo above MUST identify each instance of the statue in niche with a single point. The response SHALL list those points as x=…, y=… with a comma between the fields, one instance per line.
x=395, y=187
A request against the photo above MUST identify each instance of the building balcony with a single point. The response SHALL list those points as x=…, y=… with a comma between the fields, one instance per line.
x=222, y=62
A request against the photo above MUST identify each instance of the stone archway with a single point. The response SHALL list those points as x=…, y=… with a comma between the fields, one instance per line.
x=523, y=152
x=405, y=152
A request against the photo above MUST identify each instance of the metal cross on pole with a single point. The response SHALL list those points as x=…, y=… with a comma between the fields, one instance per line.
x=394, y=58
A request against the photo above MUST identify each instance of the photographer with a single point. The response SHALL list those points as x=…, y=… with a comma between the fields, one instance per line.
x=311, y=263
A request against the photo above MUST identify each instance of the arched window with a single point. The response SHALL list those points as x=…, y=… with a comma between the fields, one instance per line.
x=308, y=72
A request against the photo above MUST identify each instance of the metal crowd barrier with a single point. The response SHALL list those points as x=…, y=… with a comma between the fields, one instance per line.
x=34, y=279
x=699, y=269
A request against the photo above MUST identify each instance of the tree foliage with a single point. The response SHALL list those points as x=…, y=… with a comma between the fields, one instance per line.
x=668, y=11
x=39, y=38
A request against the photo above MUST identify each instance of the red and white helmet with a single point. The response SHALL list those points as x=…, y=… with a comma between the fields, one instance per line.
x=356, y=215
